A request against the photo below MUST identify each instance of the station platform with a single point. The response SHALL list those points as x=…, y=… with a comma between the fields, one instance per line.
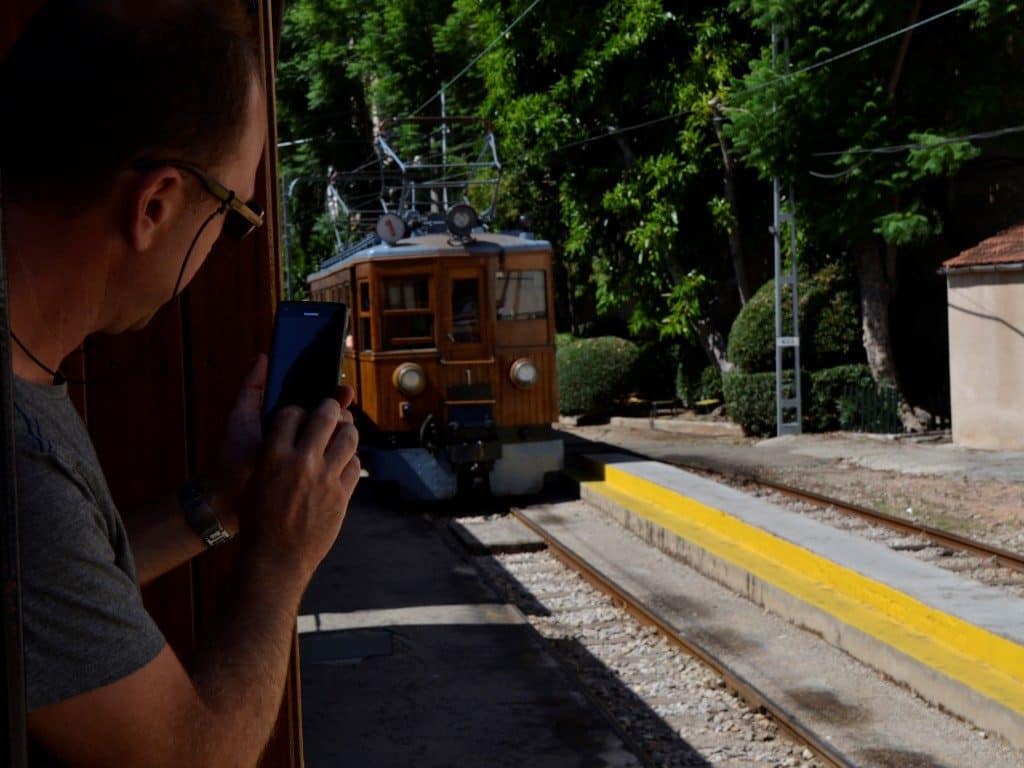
x=957, y=643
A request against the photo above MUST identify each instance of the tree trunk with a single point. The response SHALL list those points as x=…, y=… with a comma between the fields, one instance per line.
x=901, y=59
x=739, y=264
x=875, y=298
x=713, y=342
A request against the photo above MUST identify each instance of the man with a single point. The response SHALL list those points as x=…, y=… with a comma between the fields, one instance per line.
x=126, y=145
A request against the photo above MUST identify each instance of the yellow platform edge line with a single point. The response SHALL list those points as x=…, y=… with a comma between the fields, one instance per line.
x=981, y=660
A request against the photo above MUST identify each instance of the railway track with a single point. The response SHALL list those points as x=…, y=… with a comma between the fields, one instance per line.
x=824, y=752
x=1003, y=557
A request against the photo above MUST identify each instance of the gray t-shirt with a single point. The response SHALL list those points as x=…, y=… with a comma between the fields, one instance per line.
x=84, y=622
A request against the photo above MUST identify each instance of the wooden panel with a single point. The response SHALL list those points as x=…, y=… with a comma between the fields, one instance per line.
x=388, y=399
x=530, y=406
x=366, y=396
x=229, y=310
x=135, y=408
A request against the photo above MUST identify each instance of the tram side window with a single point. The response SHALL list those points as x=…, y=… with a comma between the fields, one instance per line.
x=407, y=317
x=521, y=294
x=465, y=311
x=365, y=324
x=346, y=298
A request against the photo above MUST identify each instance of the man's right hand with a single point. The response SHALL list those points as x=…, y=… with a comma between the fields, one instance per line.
x=160, y=715
x=305, y=479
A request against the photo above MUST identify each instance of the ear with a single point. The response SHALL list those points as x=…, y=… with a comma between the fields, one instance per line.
x=155, y=201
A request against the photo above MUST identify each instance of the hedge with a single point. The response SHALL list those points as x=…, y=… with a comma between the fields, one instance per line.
x=829, y=325
x=594, y=374
x=750, y=400
x=832, y=389
x=842, y=397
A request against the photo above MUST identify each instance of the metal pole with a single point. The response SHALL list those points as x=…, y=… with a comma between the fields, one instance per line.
x=777, y=250
x=444, y=151
x=14, y=747
x=783, y=401
x=286, y=222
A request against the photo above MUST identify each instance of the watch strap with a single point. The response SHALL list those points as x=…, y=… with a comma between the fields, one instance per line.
x=200, y=515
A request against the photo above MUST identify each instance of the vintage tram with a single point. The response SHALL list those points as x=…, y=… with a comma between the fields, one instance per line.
x=451, y=354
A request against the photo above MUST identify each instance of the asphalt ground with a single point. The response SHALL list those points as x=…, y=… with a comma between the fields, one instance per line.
x=409, y=659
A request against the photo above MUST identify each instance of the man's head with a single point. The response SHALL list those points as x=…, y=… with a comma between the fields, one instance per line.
x=116, y=126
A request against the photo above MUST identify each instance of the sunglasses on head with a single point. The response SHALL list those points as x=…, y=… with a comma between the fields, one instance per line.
x=241, y=218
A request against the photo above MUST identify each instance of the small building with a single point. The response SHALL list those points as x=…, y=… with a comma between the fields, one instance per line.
x=985, y=296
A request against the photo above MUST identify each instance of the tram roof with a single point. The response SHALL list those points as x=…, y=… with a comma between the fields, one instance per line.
x=435, y=245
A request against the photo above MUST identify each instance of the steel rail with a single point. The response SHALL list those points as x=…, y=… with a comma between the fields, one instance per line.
x=1004, y=557
x=645, y=615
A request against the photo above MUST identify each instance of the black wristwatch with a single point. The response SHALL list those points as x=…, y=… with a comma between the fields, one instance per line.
x=200, y=515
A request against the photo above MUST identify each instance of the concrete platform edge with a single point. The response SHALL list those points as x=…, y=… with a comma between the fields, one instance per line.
x=934, y=686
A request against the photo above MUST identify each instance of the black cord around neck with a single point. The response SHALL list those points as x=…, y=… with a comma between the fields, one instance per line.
x=58, y=377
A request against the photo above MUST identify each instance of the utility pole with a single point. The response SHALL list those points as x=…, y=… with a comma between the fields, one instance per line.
x=788, y=400
x=444, y=151
x=286, y=225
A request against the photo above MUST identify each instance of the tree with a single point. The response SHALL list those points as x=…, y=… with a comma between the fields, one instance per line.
x=629, y=214
x=919, y=89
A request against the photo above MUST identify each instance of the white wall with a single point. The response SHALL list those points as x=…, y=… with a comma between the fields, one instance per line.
x=986, y=358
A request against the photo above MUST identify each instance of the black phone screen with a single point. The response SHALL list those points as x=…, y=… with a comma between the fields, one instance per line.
x=305, y=359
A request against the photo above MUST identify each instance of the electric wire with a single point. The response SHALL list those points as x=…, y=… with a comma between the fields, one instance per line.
x=895, y=149
x=781, y=78
x=866, y=46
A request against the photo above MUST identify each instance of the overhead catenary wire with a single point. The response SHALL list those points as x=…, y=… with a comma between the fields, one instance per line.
x=896, y=149
x=781, y=78
x=476, y=58
x=867, y=153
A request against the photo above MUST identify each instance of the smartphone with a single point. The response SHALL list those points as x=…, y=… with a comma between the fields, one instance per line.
x=305, y=355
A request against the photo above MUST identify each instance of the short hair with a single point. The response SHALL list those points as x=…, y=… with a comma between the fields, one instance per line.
x=86, y=93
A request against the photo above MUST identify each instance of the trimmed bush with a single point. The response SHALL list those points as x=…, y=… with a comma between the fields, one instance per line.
x=831, y=389
x=710, y=385
x=750, y=400
x=829, y=325
x=594, y=375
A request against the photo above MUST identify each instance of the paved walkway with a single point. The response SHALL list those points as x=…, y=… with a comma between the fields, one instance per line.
x=719, y=442
x=410, y=661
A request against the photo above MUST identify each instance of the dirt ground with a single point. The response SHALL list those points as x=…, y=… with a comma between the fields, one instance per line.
x=980, y=495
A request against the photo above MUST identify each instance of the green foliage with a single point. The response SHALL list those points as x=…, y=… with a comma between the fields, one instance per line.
x=828, y=406
x=750, y=400
x=907, y=227
x=594, y=375
x=867, y=407
x=959, y=76
x=829, y=324
x=710, y=385
x=843, y=397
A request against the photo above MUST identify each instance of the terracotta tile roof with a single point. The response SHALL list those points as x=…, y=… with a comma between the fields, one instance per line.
x=1005, y=248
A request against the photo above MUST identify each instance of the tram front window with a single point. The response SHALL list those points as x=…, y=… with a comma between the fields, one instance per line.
x=521, y=295
x=407, y=315
x=465, y=311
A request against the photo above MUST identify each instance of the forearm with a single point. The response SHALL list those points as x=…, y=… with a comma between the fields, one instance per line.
x=240, y=676
x=161, y=539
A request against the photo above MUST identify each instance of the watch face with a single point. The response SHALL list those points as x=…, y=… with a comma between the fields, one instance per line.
x=462, y=219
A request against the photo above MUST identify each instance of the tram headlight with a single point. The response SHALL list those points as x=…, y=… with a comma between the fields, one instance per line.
x=461, y=219
x=409, y=379
x=523, y=373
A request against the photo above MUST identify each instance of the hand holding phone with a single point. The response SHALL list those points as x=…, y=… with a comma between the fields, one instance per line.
x=305, y=356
